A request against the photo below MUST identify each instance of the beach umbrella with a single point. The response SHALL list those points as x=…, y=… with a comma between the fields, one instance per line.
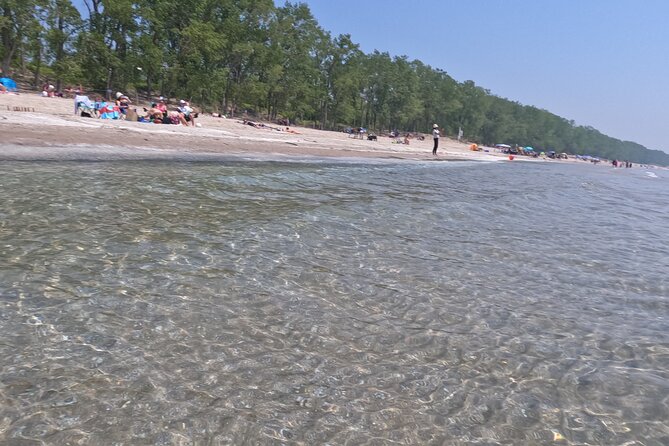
x=529, y=149
x=505, y=146
x=8, y=83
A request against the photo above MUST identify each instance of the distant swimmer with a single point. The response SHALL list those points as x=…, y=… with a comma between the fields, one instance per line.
x=435, y=136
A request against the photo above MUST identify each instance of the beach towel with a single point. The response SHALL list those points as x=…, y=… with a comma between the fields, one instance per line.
x=108, y=111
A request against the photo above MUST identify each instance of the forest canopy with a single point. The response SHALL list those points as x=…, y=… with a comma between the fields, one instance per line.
x=250, y=56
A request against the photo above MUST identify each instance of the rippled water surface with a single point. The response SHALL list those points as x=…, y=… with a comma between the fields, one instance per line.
x=173, y=303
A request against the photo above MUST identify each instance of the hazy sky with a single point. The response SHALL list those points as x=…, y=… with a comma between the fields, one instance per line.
x=603, y=63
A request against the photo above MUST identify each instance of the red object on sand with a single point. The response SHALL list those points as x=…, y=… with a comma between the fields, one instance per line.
x=510, y=157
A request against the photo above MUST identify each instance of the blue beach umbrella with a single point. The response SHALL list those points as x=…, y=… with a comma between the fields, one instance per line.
x=8, y=83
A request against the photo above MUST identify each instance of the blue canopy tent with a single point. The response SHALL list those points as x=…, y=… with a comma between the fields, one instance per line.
x=8, y=83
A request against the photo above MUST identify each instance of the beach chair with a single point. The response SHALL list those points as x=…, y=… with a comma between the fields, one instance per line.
x=83, y=106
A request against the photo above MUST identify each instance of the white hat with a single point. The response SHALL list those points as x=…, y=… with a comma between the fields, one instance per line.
x=435, y=126
x=118, y=94
x=182, y=102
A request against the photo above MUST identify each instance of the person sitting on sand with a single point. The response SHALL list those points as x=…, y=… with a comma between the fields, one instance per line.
x=154, y=114
x=162, y=106
x=123, y=102
x=187, y=113
x=48, y=90
x=168, y=117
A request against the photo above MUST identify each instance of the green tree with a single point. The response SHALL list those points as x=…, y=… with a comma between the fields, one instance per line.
x=298, y=50
x=16, y=17
x=63, y=22
x=438, y=93
x=343, y=78
x=104, y=48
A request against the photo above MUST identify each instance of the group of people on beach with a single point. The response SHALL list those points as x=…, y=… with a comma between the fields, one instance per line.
x=406, y=139
x=184, y=114
x=617, y=163
x=122, y=108
x=50, y=91
x=359, y=132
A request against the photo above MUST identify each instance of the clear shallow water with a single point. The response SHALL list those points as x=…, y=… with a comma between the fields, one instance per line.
x=267, y=303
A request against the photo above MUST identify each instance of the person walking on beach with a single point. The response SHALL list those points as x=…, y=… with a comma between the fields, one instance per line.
x=435, y=136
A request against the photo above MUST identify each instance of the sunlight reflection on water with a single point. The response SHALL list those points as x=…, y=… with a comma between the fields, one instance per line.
x=177, y=303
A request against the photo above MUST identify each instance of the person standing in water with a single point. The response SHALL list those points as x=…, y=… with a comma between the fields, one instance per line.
x=435, y=136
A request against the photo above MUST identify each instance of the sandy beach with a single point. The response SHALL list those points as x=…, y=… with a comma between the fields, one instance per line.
x=33, y=126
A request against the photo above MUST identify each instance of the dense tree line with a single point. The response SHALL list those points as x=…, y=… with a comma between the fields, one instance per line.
x=250, y=56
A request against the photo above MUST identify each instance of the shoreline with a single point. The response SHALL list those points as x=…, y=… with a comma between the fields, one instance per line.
x=84, y=152
x=52, y=132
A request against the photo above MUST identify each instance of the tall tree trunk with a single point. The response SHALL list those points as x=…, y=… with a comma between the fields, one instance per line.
x=325, y=115
x=60, y=54
x=149, y=86
x=8, y=43
x=110, y=76
x=38, y=66
x=22, y=61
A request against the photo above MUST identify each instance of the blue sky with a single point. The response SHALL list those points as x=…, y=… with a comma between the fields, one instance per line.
x=602, y=63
